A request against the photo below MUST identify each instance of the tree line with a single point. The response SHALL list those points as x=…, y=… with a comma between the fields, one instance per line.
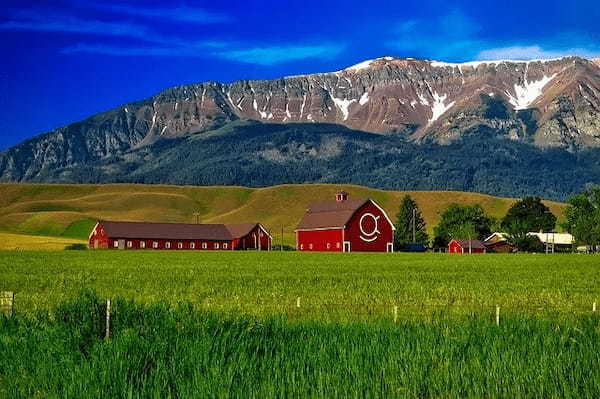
x=470, y=222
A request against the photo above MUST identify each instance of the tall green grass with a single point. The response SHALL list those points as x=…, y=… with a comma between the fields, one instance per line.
x=164, y=351
x=351, y=287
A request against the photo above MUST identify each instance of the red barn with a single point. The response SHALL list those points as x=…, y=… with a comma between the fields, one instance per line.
x=143, y=235
x=345, y=225
x=466, y=247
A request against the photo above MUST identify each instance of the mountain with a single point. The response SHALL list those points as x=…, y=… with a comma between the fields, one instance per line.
x=388, y=105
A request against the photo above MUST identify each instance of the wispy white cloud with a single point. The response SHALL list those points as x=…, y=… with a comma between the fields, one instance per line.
x=457, y=37
x=162, y=45
x=250, y=55
x=280, y=54
x=180, y=14
x=33, y=20
x=534, y=52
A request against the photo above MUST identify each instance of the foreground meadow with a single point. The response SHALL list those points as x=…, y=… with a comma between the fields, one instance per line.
x=161, y=351
x=325, y=286
x=271, y=325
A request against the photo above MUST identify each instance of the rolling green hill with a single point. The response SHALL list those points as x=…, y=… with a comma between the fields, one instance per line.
x=71, y=210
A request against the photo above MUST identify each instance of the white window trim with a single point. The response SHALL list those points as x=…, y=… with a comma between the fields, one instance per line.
x=204, y=245
x=116, y=244
x=224, y=245
x=180, y=245
x=216, y=245
x=142, y=244
x=129, y=244
x=192, y=245
x=168, y=245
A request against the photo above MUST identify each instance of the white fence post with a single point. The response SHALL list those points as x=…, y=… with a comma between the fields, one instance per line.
x=594, y=307
x=107, y=333
x=298, y=302
x=7, y=301
x=497, y=315
x=395, y=314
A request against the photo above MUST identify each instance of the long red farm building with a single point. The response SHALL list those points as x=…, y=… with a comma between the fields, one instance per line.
x=179, y=236
x=345, y=225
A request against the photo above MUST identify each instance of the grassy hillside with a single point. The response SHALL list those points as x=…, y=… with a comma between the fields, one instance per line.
x=71, y=210
x=10, y=241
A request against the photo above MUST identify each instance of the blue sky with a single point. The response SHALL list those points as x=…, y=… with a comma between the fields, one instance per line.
x=68, y=59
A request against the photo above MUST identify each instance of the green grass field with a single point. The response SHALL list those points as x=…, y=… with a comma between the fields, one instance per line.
x=330, y=286
x=71, y=210
x=227, y=324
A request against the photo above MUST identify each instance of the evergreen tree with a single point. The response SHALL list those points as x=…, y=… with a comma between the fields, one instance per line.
x=409, y=217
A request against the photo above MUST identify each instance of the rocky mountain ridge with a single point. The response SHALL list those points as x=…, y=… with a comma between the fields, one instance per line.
x=548, y=103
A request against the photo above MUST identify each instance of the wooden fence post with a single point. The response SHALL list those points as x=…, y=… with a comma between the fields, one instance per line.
x=298, y=302
x=594, y=307
x=497, y=315
x=107, y=333
x=7, y=301
x=395, y=314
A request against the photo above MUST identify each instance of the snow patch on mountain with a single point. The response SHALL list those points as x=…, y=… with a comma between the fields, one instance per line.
x=343, y=105
x=364, y=98
x=439, y=107
x=528, y=93
x=475, y=64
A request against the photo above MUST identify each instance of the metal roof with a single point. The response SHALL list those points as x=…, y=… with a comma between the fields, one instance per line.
x=475, y=244
x=177, y=231
x=330, y=214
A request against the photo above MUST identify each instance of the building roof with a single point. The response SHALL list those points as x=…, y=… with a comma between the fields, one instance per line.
x=330, y=214
x=496, y=237
x=475, y=244
x=177, y=231
x=554, y=238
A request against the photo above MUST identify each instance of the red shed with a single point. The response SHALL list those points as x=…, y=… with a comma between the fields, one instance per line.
x=345, y=225
x=466, y=247
x=143, y=235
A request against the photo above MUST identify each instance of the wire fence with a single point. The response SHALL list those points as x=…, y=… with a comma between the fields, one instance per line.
x=307, y=308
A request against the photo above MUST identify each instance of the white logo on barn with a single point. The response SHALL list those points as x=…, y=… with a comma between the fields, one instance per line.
x=369, y=236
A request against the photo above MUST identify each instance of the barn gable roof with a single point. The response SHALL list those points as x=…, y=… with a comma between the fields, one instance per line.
x=333, y=215
x=475, y=244
x=177, y=231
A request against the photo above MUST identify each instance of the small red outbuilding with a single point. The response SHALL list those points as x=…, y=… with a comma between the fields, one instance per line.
x=345, y=225
x=466, y=247
x=143, y=235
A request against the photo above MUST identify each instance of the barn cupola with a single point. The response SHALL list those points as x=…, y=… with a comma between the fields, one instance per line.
x=341, y=196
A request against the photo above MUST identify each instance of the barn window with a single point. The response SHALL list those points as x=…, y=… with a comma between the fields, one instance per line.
x=310, y=246
x=328, y=245
x=180, y=245
x=204, y=246
x=224, y=245
x=301, y=246
x=168, y=245
x=192, y=245
x=142, y=244
x=216, y=245
x=116, y=244
x=155, y=245
x=129, y=244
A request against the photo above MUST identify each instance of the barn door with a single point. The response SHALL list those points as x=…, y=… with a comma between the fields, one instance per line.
x=121, y=244
x=390, y=247
x=346, y=246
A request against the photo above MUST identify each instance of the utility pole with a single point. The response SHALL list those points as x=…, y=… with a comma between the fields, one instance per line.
x=197, y=215
x=414, y=225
